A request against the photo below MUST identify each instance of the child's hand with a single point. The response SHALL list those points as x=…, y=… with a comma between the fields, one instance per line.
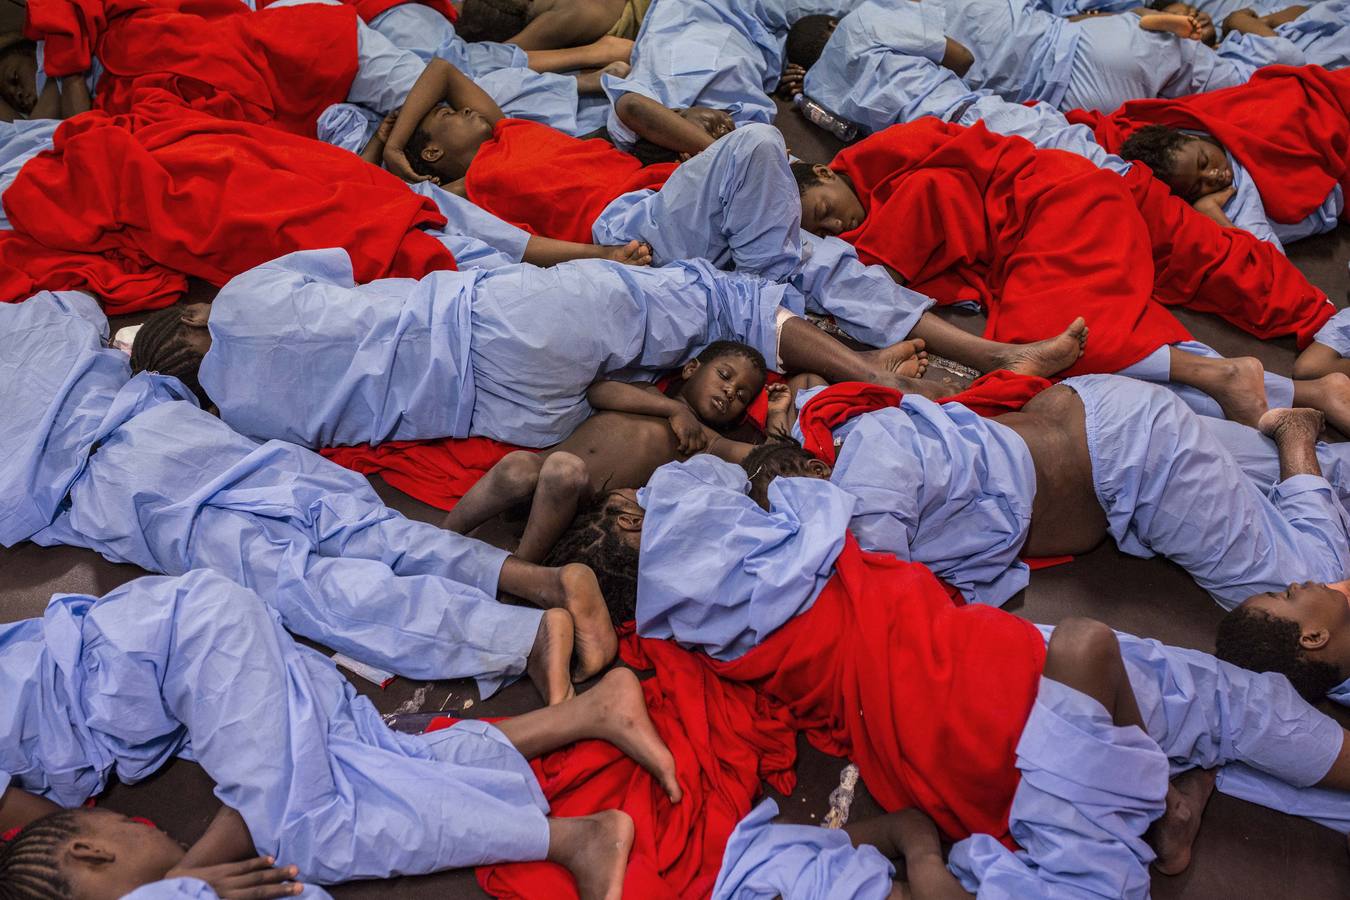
x=252, y=879
x=780, y=399
x=790, y=85
x=718, y=123
x=633, y=253
x=387, y=127
x=689, y=431
x=396, y=161
x=1212, y=203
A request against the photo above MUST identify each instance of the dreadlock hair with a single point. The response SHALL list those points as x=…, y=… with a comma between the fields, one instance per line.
x=593, y=539
x=491, y=20
x=807, y=38
x=806, y=176
x=162, y=346
x=1154, y=146
x=778, y=456
x=1256, y=640
x=718, y=349
x=30, y=867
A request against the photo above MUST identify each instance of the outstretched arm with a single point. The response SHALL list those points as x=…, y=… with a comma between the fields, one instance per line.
x=690, y=132
x=595, y=55
x=440, y=81
x=545, y=252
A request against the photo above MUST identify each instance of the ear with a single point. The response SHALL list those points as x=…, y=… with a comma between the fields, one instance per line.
x=689, y=369
x=1314, y=638
x=91, y=853
x=431, y=153
x=196, y=315
x=819, y=468
x=823, y=172
x=629, y=521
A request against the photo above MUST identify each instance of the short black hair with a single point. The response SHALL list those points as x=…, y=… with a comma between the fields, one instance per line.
x=161, y=346
x=807, y=38
x=1155, y=147
x=30, y=864
x=806, y=176
x=779, y=456
x=1256, y=640
x=718, y=349
x=24, y=47
x=491, y=20
x=593, y=539
x=417, y=142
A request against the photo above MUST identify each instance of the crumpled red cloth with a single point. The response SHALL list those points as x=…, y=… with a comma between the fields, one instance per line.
x=550, y=183
x=725, y=739
x=126, y=200
x=1288, y=126
x=369, y=9
x=927, y=697
x=280, y=67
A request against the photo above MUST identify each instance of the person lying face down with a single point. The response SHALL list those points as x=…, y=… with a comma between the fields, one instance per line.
x=309, y=773
x=767, y=600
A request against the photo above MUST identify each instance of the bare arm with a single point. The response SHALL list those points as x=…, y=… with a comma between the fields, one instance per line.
x=440, y=81
x=617, y=396
x=1211, y=206
x=1247, y=22
x=545, y=252
x=75, y=97
x=373, y=152
x=18, y=808
x=48, y=105
x=592, y=56
x=957, y=57
x=661, y=125
x=227, y=839
x=1319, y=360
x=577, y=22
x=1288, y=14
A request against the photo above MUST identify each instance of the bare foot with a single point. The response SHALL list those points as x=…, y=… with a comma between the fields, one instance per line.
x=907, y=358
x=1050, y=356
x=633, y=253
x=595, y=850
x=1171, y=23
x=1173, y=835
x=619, y=712
x=1239, y=386
x=924, y=387
x=1299, y=425
x=550, y=657
x=1331, y=395
x=596, y=641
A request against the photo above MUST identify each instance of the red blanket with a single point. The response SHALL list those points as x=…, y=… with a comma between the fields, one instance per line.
x=281, y=66
x=209, y=198
x=725, y=741
x=1288, y=127
x=1037, y=237
x=928, y=697
x=369, y=9
x=550, y=183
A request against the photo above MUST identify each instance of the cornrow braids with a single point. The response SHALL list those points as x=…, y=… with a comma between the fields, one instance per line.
x=30, y=867
x=161, y=346
x=775, y=457
x=592, y=539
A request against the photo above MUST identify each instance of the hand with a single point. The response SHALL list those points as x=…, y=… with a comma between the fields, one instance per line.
x=790, y=85
x=714, y=121
x=1211, y=203
x=396, y=161
x=250, y=879
x=633, y=253
x=780, y=399
x=689, y=431
x=1238, y=17
x=387, y=127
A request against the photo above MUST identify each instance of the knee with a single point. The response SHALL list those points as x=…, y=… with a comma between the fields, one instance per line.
x=519, y=471
x=1079, y=639
x=564, y=473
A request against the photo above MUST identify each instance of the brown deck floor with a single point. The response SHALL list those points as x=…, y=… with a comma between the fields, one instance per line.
x=1243, y=851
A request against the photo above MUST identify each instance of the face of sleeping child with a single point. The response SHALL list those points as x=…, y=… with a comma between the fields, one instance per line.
x=830, y=207
x=455, y=136
x=1199, y=167
x=1321, y=610
x=18, y=80
x=719, y=390
x=113, y=855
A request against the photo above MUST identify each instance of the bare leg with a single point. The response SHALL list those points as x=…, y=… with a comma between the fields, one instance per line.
x=1329, y=394
x=1294, y=432
x=614, y=711
x=911, y=834
x=1237, y=384
x=510, y=482
x=595, y=850
x=805, y=348
x=1173, y=835
x=563, y=484
x=1318, y=360
x=1043, y=358
x=551, y=656
x=572, y=587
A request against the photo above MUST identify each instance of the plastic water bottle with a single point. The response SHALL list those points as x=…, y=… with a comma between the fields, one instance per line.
x=820, y=116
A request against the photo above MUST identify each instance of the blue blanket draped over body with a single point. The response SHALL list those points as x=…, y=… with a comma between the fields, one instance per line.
x=134, y=470
x=199, y=667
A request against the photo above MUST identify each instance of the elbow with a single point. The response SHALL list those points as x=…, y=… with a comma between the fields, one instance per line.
x=958, y=58
x=629, y=109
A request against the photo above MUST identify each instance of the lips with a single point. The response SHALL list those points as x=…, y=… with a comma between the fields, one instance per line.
x=720, y=403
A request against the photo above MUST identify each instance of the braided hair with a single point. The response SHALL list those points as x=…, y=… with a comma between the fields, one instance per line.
x=30, y=864
x=775, y=457
x=162, y=346
x=593, y=539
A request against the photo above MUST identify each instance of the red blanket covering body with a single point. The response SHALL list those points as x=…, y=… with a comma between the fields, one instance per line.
x=279, y=66
x=369, y=9
x=203, y=197
x=1289, y=127
x=725, y=742
x=550, y=183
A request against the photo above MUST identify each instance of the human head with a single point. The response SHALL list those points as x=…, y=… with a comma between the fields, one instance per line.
x=173, y=342
x=807, y=38
x=780, y=457
x=1191, y=166
x=722, y=381
x=491, y=20
x=1302, y=632
x=606, y=535
x=18, y=72
x=829, y=205
x=445, y=142
x=84, y=854
x=1208, y=34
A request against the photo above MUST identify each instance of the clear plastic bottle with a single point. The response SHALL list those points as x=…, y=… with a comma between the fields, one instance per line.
x=820, y=116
